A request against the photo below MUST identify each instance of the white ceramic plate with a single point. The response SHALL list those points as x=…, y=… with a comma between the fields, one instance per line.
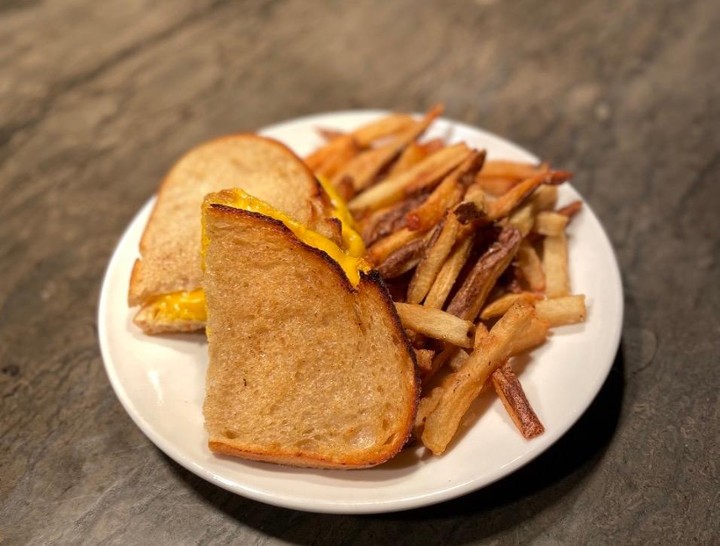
x=161, y=380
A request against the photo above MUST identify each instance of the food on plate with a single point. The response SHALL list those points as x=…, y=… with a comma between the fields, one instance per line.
x=308, y=362
x=166, y=279
x=371, y=292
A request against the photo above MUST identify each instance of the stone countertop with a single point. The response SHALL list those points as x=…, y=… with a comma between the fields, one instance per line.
x=97, y=99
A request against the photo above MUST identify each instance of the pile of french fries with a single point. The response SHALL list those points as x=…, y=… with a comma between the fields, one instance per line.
x=474, y=252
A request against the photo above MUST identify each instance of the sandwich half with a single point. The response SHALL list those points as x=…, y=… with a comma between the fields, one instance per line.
x=165, y=281
x=308, y=362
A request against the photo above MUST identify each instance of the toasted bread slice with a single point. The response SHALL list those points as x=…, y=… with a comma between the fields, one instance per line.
x=305, y=368
x=170, y=246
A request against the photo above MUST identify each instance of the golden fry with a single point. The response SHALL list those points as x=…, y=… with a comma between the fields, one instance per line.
x=512, y=395
x=555, y=264
x=436, y=324
x=423, y=174
x=446, y=277
x=562, y=311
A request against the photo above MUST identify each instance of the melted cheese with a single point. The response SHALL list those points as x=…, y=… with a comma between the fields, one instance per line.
x=179, y=306
x=351, y=238
x=349, y=260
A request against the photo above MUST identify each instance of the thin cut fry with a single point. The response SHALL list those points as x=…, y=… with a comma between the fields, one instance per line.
x=511, y=169
x=530, y=266
x=544, y=198
x=384, y=127
x=555, y=264
x=425, y=173
x=562, y=311
x=446, y=195
x=496, y=185
x=506, y=203
x=436, y=324
x=571, y=209
x=401, y=260
x=346, y=150
x=550, y=223
x=433, y=260
x=500, y=306
x=379, y=252
x=511, y=394
x=445, y=279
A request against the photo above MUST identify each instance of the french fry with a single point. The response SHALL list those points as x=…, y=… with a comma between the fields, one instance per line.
x=402, y=260
x=446, y=277
x=424, y=174
x=511, y=169
x=507, y=202
x=471, y=296
x=495, y=185
x=550, y=223
x=464, y=385
x=512, y=395
x=523, y=218
x=436, y=324
x=544, y=198
x=386, y=126
x=530, y=266
x=563, y=310
x=384, y=222
x=346, y=150
x=555, y=264
x=499, y=307
x=571, y=209
x=379, y=251
x=433, y=259
x=325, y=153
x=446, y=195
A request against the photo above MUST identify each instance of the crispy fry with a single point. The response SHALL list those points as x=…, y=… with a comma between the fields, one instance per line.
x=345, y=150
x=471, y=296
x=446, y=277
x=464, y=385
x=550, y=223
x=402, y=260
x=512, y=395
x=544, y=198
x=433, y=259
x=424, y=174
x=496, y=185
x=506, y=203
x=412, y=155
x=329, y=134
x=386, y=126
x=511, y=169
x=571, y=209
x=447, y=194
x=384, y=222
x=523, y=218
x=530, y=267
x=499, y=307
x=436, y=324
x=562, y=311
x=555, y=264
x=379, y=252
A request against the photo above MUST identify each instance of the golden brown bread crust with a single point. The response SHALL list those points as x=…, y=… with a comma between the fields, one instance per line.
x=305, y=369
x=170, y=244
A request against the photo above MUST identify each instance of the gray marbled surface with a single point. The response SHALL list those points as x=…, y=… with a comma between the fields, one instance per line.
x=97, y=99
